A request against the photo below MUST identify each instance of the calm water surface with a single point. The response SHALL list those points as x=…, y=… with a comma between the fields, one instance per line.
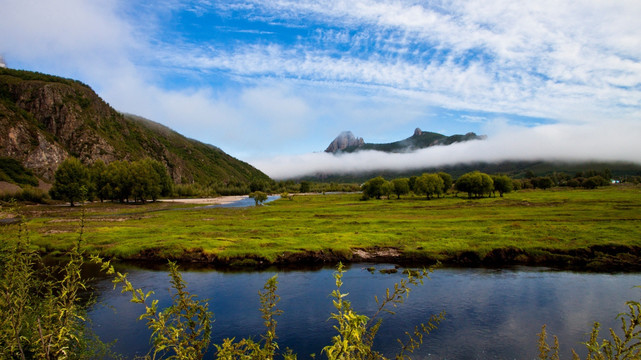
x=246, y=202
x=491, y=314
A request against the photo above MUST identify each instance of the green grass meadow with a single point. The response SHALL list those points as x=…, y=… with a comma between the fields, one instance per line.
x=560, y=219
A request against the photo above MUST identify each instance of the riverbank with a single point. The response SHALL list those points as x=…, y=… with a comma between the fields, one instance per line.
x=597, y=258
x=571, y=229
x=220, y=200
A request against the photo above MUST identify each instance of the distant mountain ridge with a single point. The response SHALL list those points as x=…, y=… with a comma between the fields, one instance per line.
x=347, y=142
x=44, y=119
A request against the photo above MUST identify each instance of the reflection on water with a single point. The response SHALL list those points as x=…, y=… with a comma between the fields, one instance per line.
x=491, y=314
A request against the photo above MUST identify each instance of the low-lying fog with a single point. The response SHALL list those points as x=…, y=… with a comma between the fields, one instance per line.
x=616, y=141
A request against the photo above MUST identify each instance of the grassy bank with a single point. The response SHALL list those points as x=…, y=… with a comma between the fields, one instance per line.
x=581, y=228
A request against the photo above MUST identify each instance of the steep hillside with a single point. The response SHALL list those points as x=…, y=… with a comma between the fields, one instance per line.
x=44, y=119
x=346, y=142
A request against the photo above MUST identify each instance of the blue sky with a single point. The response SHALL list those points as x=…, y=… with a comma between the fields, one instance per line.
x=272, y=82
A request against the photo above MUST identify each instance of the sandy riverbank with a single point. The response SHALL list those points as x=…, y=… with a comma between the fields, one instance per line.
x=221, y=200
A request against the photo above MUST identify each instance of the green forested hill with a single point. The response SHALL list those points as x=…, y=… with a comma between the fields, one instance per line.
x=45, y=119
x=515, y=169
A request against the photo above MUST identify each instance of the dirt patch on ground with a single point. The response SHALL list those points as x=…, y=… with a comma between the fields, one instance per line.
x=44, y=186
x=9, y=188
x=376, y=254
x=221, y=200
x=57, y=232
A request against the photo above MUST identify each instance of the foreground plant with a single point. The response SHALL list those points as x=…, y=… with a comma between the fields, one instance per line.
x=627, y=347
x=182, y=331
x=43, y=312
x=356, y=333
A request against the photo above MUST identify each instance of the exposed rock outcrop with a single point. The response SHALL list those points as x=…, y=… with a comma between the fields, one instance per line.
x=45, y=119
x=344, y=140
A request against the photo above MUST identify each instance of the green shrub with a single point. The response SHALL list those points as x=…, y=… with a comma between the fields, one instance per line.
x=28, y=194
x=11, y=170
x=42, y=315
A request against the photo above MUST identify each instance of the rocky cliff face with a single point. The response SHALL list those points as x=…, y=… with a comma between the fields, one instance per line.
x=344, y=140
x=45, y=119
x=49, y=122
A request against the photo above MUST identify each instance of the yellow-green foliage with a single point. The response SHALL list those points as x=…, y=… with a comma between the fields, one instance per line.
x=42, y=315
x=618, y=347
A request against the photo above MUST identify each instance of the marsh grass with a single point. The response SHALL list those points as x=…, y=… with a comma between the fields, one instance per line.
x=532, y=221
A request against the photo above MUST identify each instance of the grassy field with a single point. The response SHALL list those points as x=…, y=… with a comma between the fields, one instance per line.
x=523, y=227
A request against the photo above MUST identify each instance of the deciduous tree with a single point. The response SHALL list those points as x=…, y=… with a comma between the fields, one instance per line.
x=474, y=183
x=400, y=186
x=502, y=184
x=373, y=188
x=258, y=196
x=447, y=181
x=429, y=184
x=71, y=181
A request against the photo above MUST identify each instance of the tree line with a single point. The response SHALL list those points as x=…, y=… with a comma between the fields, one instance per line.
x=123, y=181
x=589, y=179
x=148, y=179
x=475, y=184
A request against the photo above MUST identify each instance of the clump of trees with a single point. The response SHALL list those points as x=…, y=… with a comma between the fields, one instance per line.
x=477, y=184
x=122, y=181
x=590, y=179
x=430, y=185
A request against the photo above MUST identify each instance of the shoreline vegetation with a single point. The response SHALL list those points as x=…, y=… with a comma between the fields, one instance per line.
x=591, y=230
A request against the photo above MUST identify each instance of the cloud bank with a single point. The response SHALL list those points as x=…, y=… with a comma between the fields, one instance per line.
x=557, y=143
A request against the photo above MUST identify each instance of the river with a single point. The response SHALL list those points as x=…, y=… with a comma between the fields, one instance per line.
x=491, y=313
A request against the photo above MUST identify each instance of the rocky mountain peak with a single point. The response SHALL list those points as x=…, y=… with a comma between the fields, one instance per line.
x=418, y=132
x=344, y=140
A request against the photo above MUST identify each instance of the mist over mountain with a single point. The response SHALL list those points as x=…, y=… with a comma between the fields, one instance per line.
x=45, y=119
x=344, y=141
x=348, y=143
x=508, y=148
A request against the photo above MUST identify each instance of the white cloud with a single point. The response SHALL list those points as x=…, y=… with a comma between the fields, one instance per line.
x=522, y=55
x=73, y=34
x=617, y=141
